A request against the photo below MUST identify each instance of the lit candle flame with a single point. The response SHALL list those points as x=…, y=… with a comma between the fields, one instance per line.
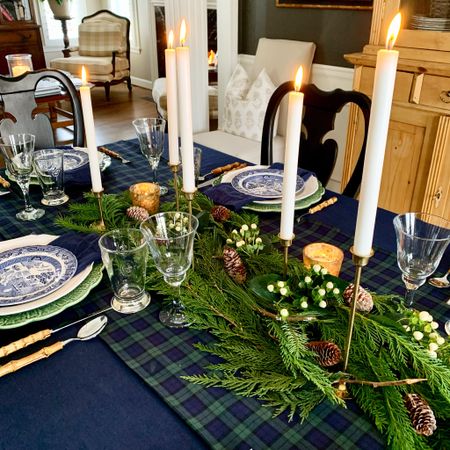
x=170, y=40
x=183, y=32
x=83, y=76
x=298, y=79
x=393, y=31
x=211, y=56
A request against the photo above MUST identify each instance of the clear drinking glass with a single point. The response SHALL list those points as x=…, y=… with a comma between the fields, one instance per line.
x=49, y=166
x=124, y=254
x=170, y=236
x=18, y=149
x=151, y=134
x=421, y=242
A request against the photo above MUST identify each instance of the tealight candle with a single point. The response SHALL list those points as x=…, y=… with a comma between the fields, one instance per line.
x=145, y=195
x=326, y=255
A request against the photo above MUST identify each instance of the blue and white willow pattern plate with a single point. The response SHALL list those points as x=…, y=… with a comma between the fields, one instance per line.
x=28, y=273
x=263, y=183
x=74, y=159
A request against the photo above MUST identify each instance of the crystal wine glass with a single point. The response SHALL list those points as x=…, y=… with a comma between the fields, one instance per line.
x=170, y=236
x=150, y=132
x=421, y=242
x=18, y=149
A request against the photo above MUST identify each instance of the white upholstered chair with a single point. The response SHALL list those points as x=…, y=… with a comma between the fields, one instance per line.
x=103, y=48
x=281, y=59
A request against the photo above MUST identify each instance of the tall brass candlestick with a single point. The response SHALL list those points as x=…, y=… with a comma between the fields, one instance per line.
x=189, y=198
x=286, y=243
x=359, y=262
x=174, y=168
x=100, y=225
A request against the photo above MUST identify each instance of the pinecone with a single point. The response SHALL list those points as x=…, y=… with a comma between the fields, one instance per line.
x=137, y=213
x=234, y=266
x=422, y=416
x=364, y=302
x=220, y=213
x=328, y=353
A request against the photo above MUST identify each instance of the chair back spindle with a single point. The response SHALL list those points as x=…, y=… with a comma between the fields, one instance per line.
x=19, y=104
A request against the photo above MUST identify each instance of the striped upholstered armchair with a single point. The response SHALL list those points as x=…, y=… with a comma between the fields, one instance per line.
x=103, y=48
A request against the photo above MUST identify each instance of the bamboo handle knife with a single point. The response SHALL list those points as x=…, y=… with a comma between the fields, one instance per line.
x=323, y=205
x=317, y=208
x=43, y=353
x=24, y=342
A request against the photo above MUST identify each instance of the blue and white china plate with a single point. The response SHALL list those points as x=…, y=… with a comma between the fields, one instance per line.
x=263, y=183
x=30, y=272
x=74, y=159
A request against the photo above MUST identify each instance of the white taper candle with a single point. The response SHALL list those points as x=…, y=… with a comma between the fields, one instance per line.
x=172, y=110
x=383, y=90
x=185, y=111
x=293, y=129
x=89, y=129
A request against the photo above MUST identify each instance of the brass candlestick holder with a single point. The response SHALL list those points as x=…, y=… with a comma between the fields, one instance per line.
x=286, y=243
x=359, y=262
x=189, y=198
x=175, y=168
x=100, y=225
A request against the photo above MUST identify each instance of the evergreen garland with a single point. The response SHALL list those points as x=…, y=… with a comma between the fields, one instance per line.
x=263, y=354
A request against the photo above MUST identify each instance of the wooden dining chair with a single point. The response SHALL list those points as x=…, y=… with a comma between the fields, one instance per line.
x=18, y=95
x=320, y=110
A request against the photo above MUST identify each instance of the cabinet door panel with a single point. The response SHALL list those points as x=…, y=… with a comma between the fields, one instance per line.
x=401, y=166
x=437, y=194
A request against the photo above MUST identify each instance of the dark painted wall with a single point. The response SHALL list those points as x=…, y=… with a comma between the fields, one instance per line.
x=334, y=31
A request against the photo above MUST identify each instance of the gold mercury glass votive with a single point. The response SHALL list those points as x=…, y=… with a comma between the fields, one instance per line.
x=145, y=195
x=326, y=255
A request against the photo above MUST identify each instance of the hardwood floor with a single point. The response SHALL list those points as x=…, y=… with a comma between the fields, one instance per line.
x=113, y=118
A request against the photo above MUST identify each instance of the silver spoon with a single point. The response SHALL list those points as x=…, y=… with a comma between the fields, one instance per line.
x=441, y=282
x=88, y=331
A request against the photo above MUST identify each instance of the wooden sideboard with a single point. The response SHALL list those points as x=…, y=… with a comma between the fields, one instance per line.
x=19, y=33
x=416, y=172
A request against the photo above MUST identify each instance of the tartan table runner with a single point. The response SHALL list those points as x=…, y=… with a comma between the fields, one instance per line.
x=160, y=356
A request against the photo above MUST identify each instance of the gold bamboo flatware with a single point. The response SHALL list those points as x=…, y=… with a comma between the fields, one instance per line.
x=112, y=154
x=42, y=335
x=88, y=331
x=223, y=169
x=5, y=186
x=317, y=208
x=441, y=282
x=4, y=183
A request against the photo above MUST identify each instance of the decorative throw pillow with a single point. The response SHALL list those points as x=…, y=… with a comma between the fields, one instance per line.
x=99, y=38
x=245, y=106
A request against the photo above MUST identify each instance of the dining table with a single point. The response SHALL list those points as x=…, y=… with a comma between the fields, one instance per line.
x=124, y=389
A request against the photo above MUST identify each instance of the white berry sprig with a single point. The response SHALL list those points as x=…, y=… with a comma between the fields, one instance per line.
x=424, y=330
x=246, y=240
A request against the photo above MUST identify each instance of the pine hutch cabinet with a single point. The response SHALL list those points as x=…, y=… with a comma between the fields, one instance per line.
x=416, y=173
x=19, y=33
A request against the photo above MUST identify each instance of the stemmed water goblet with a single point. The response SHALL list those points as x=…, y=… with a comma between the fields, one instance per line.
x=18, y=150
x=421, y=241
x=151, y=134
x=170, y=237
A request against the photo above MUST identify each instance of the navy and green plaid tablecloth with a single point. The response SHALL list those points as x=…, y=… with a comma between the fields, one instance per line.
x=160, y=355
